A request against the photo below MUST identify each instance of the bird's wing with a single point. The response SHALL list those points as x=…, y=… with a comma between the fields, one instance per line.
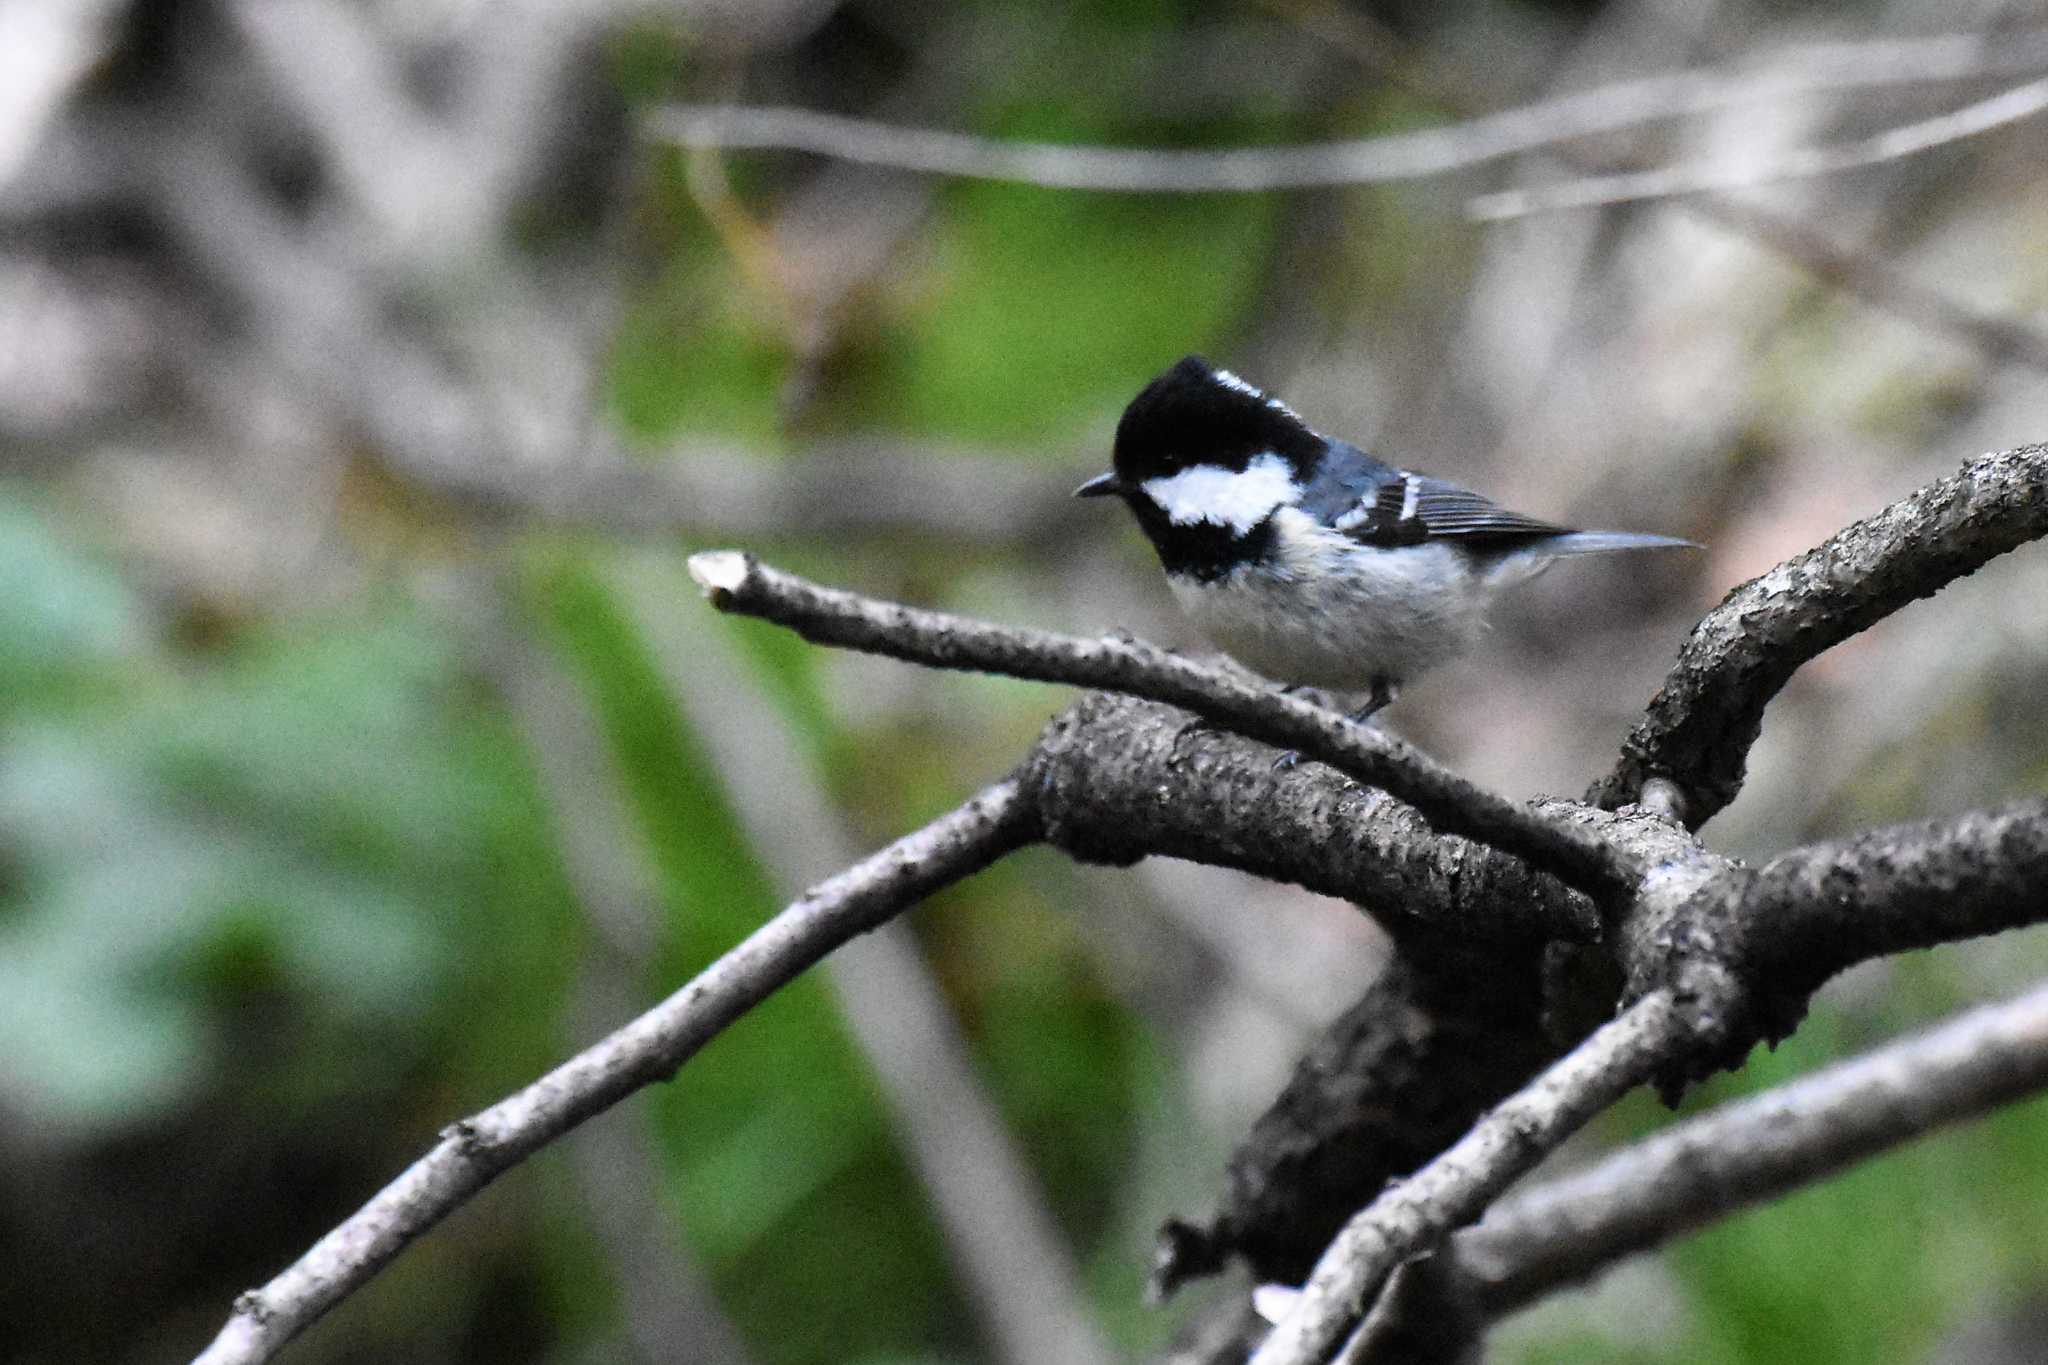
x=1376, y=504
x=1449, y=510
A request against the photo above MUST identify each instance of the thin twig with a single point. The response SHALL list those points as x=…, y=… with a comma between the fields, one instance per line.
x=1698, y=729
x=1413, y=1216
x=475, y=1151
x=2006, y=107
x=737, y=582
x=1754, y=1150
x=1397, y=156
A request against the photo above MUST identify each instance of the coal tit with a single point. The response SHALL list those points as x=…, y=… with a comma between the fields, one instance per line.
x=1306, y=559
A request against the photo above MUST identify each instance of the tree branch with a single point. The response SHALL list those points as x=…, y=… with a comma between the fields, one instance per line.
x=736, y=582
x=1782, y=930
x=1698, y=730
x=1739, y=951
x=1412, y=1217
x=473, y=1152
x=1754, y=1150
x=1446, y=882
x=2006, y=107
x=1822, y=908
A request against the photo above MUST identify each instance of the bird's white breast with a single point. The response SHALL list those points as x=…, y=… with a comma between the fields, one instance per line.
x=1325, y=611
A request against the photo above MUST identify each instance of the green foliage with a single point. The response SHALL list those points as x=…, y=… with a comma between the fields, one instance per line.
x=1066, y=305
x=64, y=616
x=318, y=814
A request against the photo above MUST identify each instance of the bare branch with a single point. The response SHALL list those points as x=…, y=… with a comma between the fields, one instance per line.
x=1699, y=727
x=475, y=1151
x=1412, y=1217
x=1754, y=1150
x=1783, y=930
x=1398, y=156
x=736, y=582
x=1742, y=949
x=2006, y=107
x=1819, y=909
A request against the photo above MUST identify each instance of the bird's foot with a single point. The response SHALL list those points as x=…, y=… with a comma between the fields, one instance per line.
x=1383, y=690
x=1382, y=696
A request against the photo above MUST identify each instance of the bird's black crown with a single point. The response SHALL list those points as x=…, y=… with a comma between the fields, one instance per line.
x=1197, y=414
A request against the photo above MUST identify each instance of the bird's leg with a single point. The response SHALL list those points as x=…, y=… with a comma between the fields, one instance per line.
x=1289, y=757
x=1383, y=690
x=1382, y=695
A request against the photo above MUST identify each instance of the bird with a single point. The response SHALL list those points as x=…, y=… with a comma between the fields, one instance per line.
x=1304, y=558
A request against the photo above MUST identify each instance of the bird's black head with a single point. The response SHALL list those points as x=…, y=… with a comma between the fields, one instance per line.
x=1197, y=414
x=1203, y=459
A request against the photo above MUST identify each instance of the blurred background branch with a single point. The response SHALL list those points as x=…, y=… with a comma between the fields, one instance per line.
x=1429, y=152
x=1972, y=120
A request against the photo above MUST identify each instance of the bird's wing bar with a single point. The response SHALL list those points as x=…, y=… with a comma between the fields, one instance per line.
x=1356, y=494
x=1376, y=504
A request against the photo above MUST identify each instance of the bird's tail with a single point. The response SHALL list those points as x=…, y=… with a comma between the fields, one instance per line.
x=1600, y=542
x=1520, y=565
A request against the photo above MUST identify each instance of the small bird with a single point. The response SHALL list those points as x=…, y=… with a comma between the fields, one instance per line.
x=1303, y=557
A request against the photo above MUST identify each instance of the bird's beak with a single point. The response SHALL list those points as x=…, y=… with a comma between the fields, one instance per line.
x=1101, y=486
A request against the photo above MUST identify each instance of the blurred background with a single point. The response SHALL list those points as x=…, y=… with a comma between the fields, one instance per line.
x=368, y=369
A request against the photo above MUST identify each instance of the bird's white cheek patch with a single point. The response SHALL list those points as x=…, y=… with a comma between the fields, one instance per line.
x=1239, y=499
